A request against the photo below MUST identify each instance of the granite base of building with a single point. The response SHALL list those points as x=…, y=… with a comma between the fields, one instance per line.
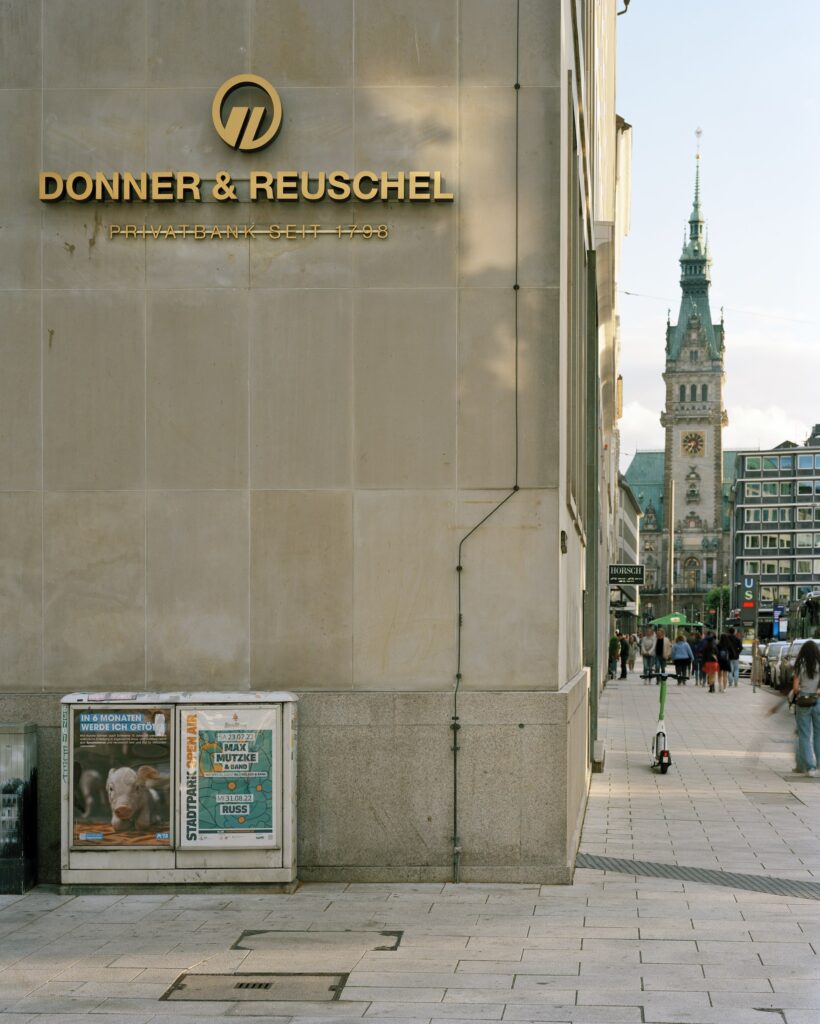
x=375, y=784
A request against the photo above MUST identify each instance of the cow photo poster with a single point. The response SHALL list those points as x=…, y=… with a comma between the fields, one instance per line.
x=229, y=778
x=121, y=781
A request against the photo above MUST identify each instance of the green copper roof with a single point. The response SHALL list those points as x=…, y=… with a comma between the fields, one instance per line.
x=695, y=313
x=645, y=476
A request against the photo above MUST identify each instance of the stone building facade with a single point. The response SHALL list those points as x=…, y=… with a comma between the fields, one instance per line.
x=693, y=458
x=349, y=455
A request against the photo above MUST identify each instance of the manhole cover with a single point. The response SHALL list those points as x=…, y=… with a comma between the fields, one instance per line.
x=781, y=799
x=244, y=987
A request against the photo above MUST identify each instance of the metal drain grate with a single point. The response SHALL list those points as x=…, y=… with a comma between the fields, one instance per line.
x=729, y=879
x=776, y=797
x=270, y=987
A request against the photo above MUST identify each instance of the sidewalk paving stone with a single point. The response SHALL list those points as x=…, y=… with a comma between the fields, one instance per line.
x=613, y=948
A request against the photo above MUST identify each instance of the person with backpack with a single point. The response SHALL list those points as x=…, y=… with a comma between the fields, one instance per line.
x=805, y=684
x=711, y=666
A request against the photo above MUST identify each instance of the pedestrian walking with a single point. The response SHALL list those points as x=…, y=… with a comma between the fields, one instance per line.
x=757, y=665
x=735, y=645
x=697, y=650
x=663, y=652
x=634, y=647
x=624, y=654
x=805, y=684
x=648, y=655
x=683, y=657
x=724, y=661
x=711, y=666
x=614, y=652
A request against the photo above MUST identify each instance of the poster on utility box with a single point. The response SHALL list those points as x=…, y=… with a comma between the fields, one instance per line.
x=122, y=786
x=228, y=777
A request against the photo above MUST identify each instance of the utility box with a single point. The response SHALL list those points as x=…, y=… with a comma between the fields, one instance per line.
x=18, y=807
x=178, y=788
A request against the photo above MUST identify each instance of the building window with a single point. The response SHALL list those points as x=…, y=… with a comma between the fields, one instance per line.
x=693, y=392
x=805, y=462
x=784, y=568
x=753, y=464
x=704, y=392
x=786, y=490
x=816, y=566
x=769, y=515
x=683, y=392
x=785, y=540
x=804, y=515
x=769, y=540
x=752, y=490
x=804, y=487
x=785, y=515
x=768, y=568
x=693, y=355
x=786, y=462
x=751, y=541
x=691, y=574
x=752, y=515
x=751, y=567
x=802, y=540
x=769, y=462
x=817, y=461
x=817, y=540
x=770, y=490
x=802, y=566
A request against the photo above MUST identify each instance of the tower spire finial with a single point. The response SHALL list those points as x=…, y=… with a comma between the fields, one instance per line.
x=698, y=133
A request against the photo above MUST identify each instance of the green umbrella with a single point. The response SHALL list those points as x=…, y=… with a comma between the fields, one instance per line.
x=674, y=619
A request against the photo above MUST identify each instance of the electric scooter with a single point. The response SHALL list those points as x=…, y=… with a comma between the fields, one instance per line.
x=661, y=758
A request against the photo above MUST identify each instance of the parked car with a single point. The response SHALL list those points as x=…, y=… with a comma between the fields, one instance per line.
x=771, y=665
x=745, y=660
x=787, y=660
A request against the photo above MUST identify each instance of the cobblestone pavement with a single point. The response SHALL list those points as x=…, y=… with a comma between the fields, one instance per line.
x=614, y=948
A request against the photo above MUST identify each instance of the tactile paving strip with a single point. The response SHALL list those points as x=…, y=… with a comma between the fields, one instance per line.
x=729, y=879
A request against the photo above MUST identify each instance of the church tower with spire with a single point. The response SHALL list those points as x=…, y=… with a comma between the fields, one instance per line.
x=694, y=418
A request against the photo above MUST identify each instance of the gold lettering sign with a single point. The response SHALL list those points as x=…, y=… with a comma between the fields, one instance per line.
x=245, y=128
x=282, y=187
x=241, y=129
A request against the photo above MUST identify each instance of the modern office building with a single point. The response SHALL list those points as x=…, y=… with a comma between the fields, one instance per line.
x=307, y=383
x=776, y=527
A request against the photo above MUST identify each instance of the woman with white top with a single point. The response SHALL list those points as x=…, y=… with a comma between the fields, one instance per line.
x=805, y=684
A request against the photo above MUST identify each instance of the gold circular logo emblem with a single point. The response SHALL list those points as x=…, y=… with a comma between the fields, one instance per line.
x=241, y=128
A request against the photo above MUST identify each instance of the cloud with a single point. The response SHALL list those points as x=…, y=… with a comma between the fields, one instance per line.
x=750, y=426
x=640, y=427
x=756, y=427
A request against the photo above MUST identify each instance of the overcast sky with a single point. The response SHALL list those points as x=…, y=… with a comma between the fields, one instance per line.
x=746, y=72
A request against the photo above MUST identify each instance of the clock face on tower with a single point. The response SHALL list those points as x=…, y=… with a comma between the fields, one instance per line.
x=693, y=442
